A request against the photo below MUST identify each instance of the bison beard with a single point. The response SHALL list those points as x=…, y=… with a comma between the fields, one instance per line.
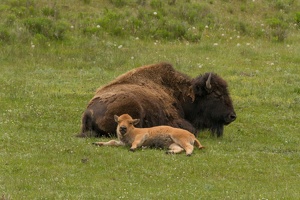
x=159, y=95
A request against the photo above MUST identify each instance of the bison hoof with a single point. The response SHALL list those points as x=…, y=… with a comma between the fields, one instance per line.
x=131, y=149
x=188, y=154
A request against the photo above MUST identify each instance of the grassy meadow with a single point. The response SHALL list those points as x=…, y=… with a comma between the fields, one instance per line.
x=55, y=54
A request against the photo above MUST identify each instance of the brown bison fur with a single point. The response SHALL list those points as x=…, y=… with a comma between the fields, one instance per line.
x=175, y=139
x=159, y=95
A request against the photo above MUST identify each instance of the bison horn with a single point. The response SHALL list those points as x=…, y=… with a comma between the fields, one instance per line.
x=208, y=85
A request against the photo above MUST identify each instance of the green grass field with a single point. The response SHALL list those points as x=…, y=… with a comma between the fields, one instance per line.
x=49, y=73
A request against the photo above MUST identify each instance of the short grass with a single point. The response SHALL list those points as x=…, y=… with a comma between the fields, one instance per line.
x=45, y=88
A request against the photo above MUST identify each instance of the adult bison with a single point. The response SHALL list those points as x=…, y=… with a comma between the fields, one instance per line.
x=159, y=95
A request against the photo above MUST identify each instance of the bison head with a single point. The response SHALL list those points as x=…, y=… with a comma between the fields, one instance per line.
x=212, y=106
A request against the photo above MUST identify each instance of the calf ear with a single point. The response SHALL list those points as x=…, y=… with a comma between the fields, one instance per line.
x=116, y=118
x=136, y=121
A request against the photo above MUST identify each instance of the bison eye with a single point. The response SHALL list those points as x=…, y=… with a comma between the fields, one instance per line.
x=218, y=95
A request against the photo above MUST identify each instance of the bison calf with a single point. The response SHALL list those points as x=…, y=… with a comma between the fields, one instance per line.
x=175, y=139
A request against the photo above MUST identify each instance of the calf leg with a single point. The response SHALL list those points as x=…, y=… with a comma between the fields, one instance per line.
x=188, y=149
x=174, y=148
x=109, y=143
x=138, y=142
x=185, y=144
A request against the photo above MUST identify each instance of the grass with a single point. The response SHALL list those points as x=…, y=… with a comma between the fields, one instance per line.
x=46, y=84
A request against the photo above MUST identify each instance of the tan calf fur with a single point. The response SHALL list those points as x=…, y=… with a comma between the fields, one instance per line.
x=175, y=139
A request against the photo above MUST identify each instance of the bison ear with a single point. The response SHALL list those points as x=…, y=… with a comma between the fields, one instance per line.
x=199, y=90
x=116, y=118
x=136, y=121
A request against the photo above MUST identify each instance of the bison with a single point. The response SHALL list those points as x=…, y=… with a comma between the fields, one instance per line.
x=175, y=139
x=159, y=95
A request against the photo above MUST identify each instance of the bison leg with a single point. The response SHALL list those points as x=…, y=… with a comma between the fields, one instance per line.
x=109, y=143
x=217, y=130
x=174, y=148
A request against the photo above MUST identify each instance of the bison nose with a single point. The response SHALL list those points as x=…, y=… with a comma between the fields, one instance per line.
x=232, y=116
x=123, y=129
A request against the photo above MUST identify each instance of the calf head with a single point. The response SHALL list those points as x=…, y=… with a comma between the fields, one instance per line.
x=125, y=123
x=212, y=104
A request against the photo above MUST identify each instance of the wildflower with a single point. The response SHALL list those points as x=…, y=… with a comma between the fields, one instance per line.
x=238, y=44
x=206, y=26
x=216, y=44
x=223, y=34
x=248, y=44
x=98, y=26
x=238, y=36
x=154, y=13
x=72, y=27
x=132, y=57
x=137, y=38
x=120, y=46
x=32, y=45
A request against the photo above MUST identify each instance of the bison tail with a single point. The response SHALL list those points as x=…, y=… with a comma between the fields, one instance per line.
x=86, y=125
x=198, y=144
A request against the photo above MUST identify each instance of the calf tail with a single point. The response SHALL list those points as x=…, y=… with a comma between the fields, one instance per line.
x=198, y=144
